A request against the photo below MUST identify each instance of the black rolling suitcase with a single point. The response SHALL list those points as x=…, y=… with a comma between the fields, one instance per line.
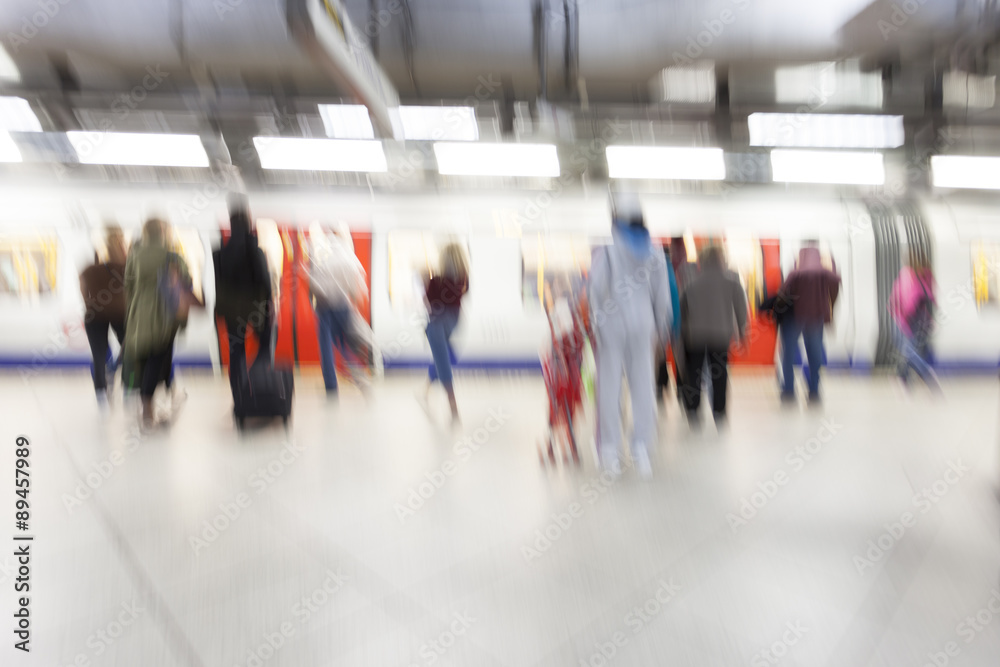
x=263, y=391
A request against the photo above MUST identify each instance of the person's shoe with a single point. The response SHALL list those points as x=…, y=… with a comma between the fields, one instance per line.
x=788, y=400
x=815, y=401
x=694, y=421
x=102, y=400
x=178, y=398
x=721, y=420
x=643, y=467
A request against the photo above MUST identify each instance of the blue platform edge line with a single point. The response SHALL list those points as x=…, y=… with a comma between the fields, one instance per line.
x=29, y=363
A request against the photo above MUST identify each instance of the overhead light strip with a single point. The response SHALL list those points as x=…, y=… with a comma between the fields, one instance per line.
x=475, y=159
x=346, y=121
x=305, y=154
x=825, y=130
x=16, y=115
x=140, y=150
x=834, y=167
x=437, y=123
x=966, y=171
x=8, y=149
x=666, y=163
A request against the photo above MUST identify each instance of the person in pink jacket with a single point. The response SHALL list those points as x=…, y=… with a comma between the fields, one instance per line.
x=912, y=308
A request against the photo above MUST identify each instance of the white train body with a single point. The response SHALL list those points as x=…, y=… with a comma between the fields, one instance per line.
x=499, y=328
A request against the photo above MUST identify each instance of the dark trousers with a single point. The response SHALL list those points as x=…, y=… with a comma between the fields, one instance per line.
x=97, y=336
x=662, y=376
x=156, y=368
x=236, y=331
x=695, y=357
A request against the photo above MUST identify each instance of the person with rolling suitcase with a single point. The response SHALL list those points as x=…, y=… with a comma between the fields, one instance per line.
x=244, y=300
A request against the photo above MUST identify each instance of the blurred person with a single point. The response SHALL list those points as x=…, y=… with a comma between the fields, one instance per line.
x=103, y=287
x=243, y=297
x=713, y=316
x=663, y=361
x=336, y=280
x=443, y=296
x=151, y=322
x=630, y=312
x=812, y=291
x=912, y=304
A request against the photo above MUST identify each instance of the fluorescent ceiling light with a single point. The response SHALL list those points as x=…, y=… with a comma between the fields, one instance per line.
x=135, y=149
x=961, y=171
x=319, y=154
x=825, y=130
x=16, y=115
x=473, y=159
x=8, y=70
x=828, y=84
x=8, y=149
x=699, y=164
x=827, y=167
x=693, y=84
x=346, y=121
x=438, y=123
x=964, y=90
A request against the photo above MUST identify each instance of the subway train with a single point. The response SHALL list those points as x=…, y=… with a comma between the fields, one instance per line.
x=516, y=242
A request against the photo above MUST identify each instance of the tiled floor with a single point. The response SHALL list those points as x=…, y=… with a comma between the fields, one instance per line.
x=324, y=552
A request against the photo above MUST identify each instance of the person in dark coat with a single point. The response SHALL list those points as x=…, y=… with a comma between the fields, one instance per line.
x=812, y=289
x=243, y=290
x=103, y=288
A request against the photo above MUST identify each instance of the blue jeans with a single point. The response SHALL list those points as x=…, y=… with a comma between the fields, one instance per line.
x=915, y=352
x=812, y=335
x=439, y=331
x=334, y=330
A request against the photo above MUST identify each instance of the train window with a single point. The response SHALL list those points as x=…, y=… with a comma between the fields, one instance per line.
x=28, y=266
x=986, y=274
x=413, y=256
x=554, y=262
x=745, y=257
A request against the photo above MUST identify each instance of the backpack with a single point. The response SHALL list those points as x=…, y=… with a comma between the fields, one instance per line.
x=921, y=319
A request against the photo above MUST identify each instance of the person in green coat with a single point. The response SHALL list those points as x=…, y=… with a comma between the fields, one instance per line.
x=150, y=323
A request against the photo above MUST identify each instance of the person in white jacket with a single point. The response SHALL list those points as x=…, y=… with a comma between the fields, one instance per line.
x=336, y=279
x=630, y=314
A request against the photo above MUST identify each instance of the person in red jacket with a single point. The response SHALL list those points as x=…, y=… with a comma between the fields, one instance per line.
x=812, y=289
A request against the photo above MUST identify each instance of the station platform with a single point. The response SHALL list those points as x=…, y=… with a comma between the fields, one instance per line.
x=863, y=532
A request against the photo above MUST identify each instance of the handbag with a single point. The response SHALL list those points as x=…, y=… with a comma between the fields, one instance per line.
x=176, y=294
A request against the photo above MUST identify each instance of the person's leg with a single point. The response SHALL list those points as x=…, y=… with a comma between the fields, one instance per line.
x=236, y=333
x=812, y=336
x=918, y=354
x=97, y=336
x=718, y=362
x=152, y=373
x=450, y=322
x=789, y=342
x=693, y=362
x=438, y=331
x=609, y=356
x=327, y=360
x=641, y=386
